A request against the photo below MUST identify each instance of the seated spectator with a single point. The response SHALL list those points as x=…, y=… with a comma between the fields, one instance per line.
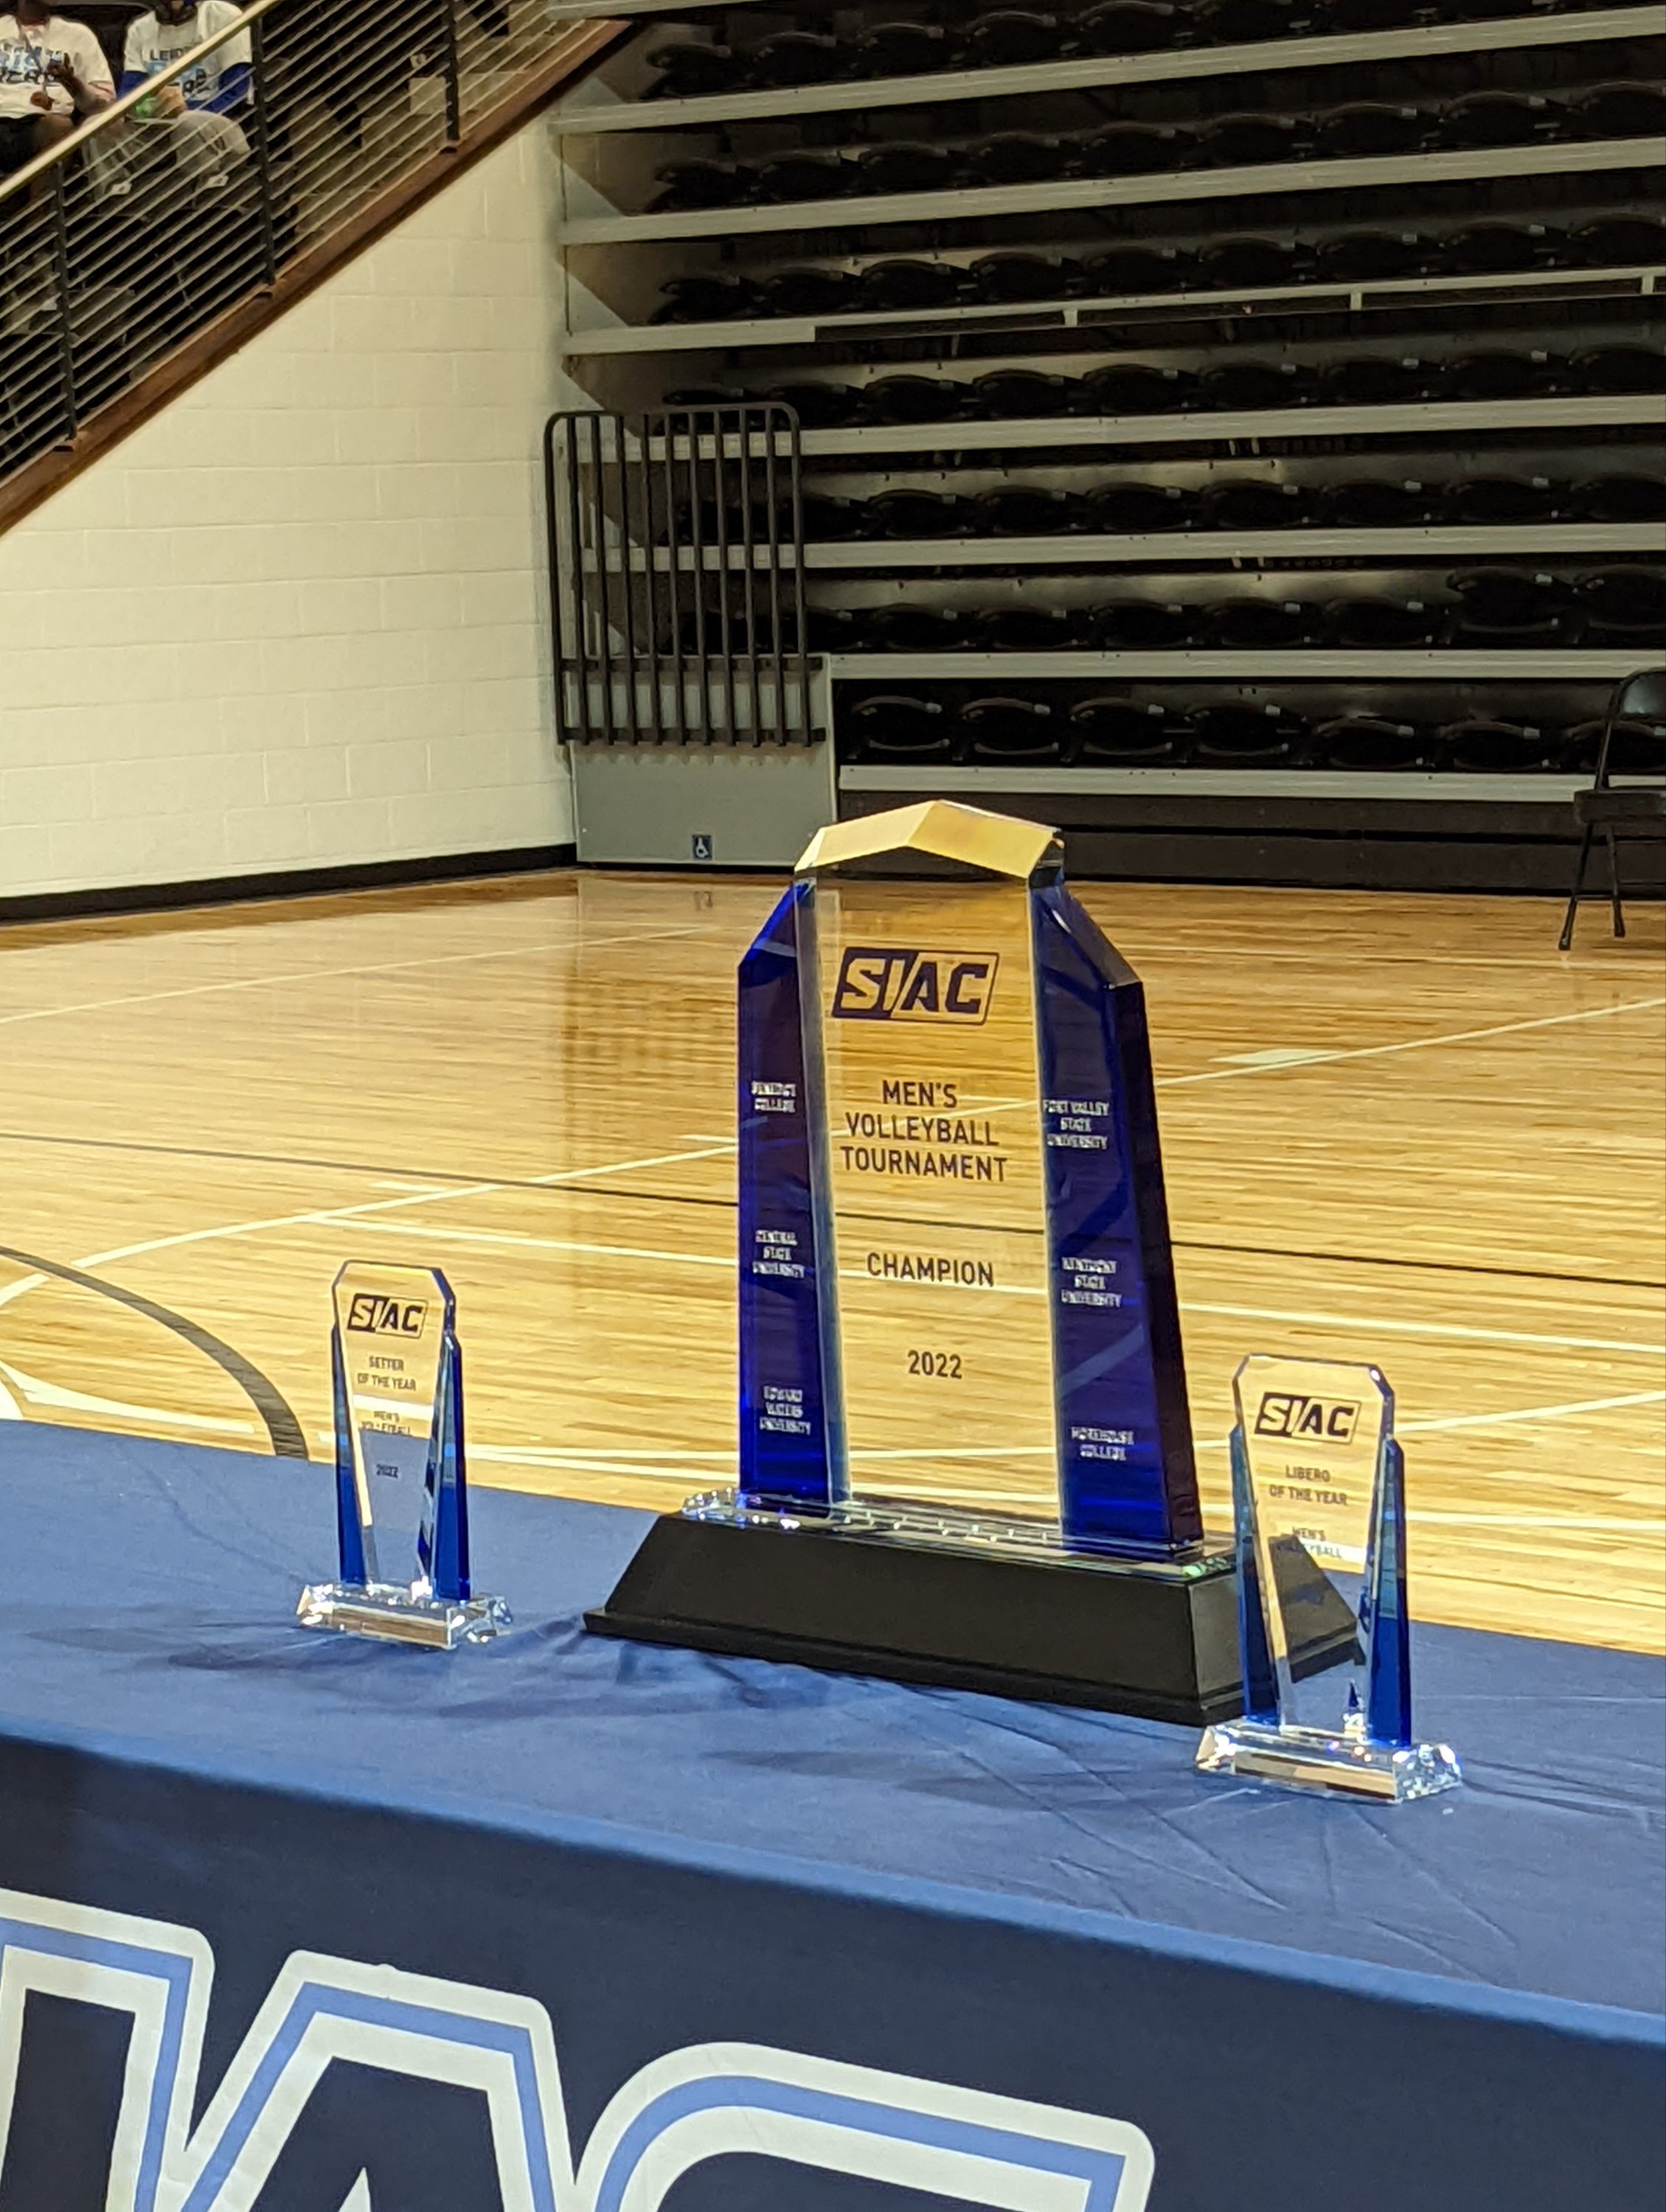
x=52, y=75
x=189, y=119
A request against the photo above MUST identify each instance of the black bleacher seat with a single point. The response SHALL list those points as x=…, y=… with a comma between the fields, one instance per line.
x=1638, y=748
x=1507, y=609
x=1238, y=733
x=1245, y=385
x=1254, y=265
x=1621, y=241
x=1623, y=607
x=1498, y=249
x=1619, y=369
x=1246, y=22
x=1341, y=17
x=1020, y=277
x=1252, y=503
x=1507, y=501
x=1131, y=26
x=1370, y=128
x=690, y=184
x=1481, y=746
x=1495, y=118
x=908, y=626
x=1371, y=379
x=1251, y=140
x=1114, y=731
x=709, y=296
x=836, y=630
x=1017, y=157
x=796, y=58
x=1006, y=38
x=1370, y=621
x=911, y=397
x=1010, y=730
x=690, y=68
x=802, y=176
x=1375, y=503
x=1020, y=395
x=809, y=292
x=908, y=284
x=902, y=49
x=897, y=726
x=819, y=406
x=909, y=511
x=1497, y=375
x=906, y=165
x=1619, y=498
x=1128, y=149
x=1252, y=624
x=1141, y=626
x=1018, y=510
x=1621, y=110
x=1127, y=271
x=1020, y=629
x=1371, y=257
x=1119, y=510
x=1136, y=388
x=827, y=518
x=1367, y=742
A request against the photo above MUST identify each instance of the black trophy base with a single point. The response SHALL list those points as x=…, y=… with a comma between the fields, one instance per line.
x=1161, y=1643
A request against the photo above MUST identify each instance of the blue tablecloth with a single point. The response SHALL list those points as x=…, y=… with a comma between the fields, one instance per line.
x=1299, y=2003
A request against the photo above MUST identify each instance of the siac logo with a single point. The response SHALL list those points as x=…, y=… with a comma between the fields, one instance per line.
x=894, y=983
x=184, y=2144
x=374, y=1313
x=1319, y=1420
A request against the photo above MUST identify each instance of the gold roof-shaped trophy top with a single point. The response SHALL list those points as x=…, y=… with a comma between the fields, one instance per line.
x=1001, y=843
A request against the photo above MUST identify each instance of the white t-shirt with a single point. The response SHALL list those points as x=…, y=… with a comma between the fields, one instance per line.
x=152, y=45
x=25, y=52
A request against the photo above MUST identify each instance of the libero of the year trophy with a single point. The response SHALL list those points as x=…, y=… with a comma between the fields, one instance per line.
x=401, y=1496
x=965, y=1453
x=1318, y=1483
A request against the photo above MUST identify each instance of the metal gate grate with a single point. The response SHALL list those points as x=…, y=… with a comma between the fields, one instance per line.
x=677, y=576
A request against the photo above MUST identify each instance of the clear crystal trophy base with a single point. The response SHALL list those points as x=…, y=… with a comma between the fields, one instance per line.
x=1340, y=1763
x=953, y=1528
x=402, y=1614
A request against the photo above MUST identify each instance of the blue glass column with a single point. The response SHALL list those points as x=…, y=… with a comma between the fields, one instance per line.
x=1128, y=1483
x=791, y=1426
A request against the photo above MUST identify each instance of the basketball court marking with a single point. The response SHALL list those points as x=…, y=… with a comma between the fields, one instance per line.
x=352, y=1212
x=1407, y=1044
x=336, y=974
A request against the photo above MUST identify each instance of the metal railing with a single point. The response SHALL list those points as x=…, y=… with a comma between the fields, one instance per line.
x=677, y=576
x=144, y=226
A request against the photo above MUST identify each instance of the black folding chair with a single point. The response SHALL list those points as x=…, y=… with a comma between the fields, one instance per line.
x=1618, y=810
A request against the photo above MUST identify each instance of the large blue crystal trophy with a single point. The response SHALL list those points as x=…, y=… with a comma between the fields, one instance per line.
x=965, y=1452
x=1319, y=1491
x=401, y=1489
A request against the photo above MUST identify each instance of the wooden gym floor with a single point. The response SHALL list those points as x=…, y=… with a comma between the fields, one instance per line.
x=1396, y=1128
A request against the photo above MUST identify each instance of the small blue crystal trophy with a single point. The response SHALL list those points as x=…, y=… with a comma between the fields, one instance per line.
x=1319, y=1493
x=965, y=1448
x=401, y=1495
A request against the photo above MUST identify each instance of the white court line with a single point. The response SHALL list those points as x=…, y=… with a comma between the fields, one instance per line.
x=578, y=943
x=314, y=1217
x=1494, y=1421
x=1426, y=1328
x=78, y=1401
x=1608, y=1523
x=1410, y=1044
x=1533, y=1413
